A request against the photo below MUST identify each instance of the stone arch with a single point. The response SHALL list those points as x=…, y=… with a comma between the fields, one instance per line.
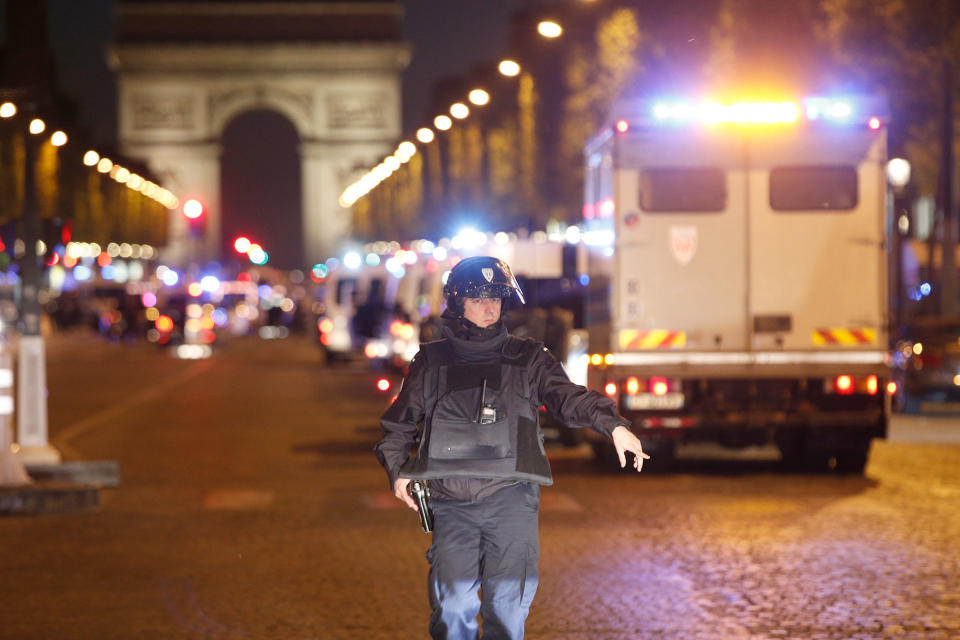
x=185, y=70
x=295, y=106
x=268, y=211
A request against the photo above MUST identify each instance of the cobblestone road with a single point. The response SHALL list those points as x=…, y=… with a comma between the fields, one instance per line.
x=251, y=507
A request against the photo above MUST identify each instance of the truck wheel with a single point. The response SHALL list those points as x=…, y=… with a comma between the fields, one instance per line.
x=854, y=459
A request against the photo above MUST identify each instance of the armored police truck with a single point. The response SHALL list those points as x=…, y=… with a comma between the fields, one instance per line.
x=738, y=274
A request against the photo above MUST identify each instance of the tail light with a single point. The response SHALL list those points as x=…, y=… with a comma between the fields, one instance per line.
x=843, y=385
x=325, y=325
x=846, y=385
x=610, y=389
x=891, y=388
x=383, y=384
x=659, y=386
x=632, y=385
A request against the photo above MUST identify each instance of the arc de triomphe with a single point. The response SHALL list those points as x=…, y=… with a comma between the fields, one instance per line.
x=332, y=68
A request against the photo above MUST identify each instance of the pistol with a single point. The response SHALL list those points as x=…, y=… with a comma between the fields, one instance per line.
x=421, y=493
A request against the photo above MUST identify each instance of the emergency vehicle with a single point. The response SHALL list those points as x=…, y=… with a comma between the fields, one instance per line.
x=738, y=274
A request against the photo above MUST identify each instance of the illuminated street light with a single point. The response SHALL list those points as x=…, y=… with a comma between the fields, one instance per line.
x=91, y=158
x=425, y=135
x=122, y=175
x=898, y=172
x=479, y=97
x=105, y=165
x=8, y=110
x=37, y=126
x=58, y=139
x=509, y=68
x=192, y=209
x=549, y=29
x=442, y=122
x=405, y=151
x=459, y=110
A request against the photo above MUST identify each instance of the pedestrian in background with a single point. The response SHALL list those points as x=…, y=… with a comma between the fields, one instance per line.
x=465, y=420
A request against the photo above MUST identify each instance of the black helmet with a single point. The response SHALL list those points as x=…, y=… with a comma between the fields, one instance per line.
x=480, y=277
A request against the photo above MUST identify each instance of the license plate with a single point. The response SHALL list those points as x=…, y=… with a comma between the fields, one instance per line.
x=648, y=401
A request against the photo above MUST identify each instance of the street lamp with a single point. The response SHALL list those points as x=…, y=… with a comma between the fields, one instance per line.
x=442, y=122
x=425, y=135
x=8, y=110
x=459, y=110
x=479, y=97
x=509, y=68
x=549, y=29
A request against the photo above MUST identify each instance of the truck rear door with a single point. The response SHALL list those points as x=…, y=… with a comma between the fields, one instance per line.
x=815, y=227
x=681, y=240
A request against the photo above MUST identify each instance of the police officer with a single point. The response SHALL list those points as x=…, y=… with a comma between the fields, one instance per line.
x=466, y=421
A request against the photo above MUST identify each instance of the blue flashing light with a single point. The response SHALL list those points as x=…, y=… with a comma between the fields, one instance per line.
x=82, y=273
x=220, y=317
x=209, y=283
x=584, y=279
x=108, y=272
x=925, y=289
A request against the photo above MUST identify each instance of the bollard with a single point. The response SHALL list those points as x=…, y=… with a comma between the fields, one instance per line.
x=12, y=471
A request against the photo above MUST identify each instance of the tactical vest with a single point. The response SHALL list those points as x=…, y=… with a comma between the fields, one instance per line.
x=480, y=419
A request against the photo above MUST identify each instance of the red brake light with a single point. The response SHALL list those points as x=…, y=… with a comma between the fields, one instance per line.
x=610, y=389
x=844, y=384
x=383, y=384
x=892, y=387
x=873, y=385
x=659, y=386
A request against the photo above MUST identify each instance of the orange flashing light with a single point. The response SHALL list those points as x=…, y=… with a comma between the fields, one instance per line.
x=873, y=385
x=325, y=325
x=633, y=385
x=891, y=388
x=610, y=389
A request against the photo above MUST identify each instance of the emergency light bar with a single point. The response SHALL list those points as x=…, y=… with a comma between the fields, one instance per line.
x=870, y=111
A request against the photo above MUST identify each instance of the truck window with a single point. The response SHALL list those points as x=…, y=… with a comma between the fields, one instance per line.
x=813, y=188
x=689, y=189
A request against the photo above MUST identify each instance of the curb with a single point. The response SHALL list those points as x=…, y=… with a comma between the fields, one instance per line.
x=48, y=498
x=104, y=473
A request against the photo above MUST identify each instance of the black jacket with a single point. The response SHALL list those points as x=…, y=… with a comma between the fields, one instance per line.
x=548, y=384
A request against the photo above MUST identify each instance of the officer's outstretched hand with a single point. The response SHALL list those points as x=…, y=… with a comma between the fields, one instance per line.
x=624, y=440
x=400, y=490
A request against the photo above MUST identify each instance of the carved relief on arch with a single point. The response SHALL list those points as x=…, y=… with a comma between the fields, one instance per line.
x=295, y=104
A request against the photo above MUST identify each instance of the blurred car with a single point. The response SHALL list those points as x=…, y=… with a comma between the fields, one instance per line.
x=926, y=359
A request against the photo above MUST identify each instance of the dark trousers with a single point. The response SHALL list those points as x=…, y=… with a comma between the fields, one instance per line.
x=492, y=545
